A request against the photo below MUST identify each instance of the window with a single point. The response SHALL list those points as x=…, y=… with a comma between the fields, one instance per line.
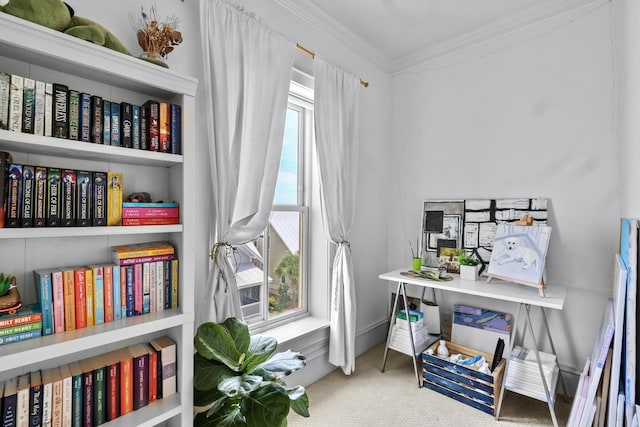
x=273, y=270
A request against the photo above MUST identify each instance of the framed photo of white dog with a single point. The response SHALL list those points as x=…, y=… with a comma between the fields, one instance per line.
x=519, y=253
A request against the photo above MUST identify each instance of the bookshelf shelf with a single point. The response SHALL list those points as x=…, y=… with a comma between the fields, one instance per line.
x=42, y=54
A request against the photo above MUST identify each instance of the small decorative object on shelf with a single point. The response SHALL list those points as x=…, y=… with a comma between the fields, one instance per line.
x=469, y=266
x=442, y=350
x=156, y=38
x=9, y=295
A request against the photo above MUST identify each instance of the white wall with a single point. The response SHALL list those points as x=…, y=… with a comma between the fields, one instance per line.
x=527, y=114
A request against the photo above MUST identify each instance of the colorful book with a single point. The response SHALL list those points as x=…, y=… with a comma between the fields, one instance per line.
x=143, y=127
x=107, y=280
x=138, y=250
x=175, y=130
x=48, y=109
x=106, y=122
x=67, y=395
x=84, y=190
x=138, y=296
x=85, y=117
x=29, y=313
x=112, y=363
x=135, y=127
x=79, y=280
x=21, y=328
x=152, y=286
x=123, y=291
x=153, y=373
x=68, y=196
x=114, y=198
x=56, y=398
x=99, y=199
x=10, y=403
x=87, y=389
x=167, y=283
x=44, y=293
x=47, y=393
x=60, y=111
x=99, y=390
x=74, y=114
x=174, y=283
x=140, y=358
x=126, y=381
x=39, y=108
x=89, y=294
x=5, y=88
x=165, y=348
x=98, y=293
x=150, y=205
x=140, y=212
x=159, y=285
x=40, y=197
x=15, y=102
x=21, y=336
x=28, y=184
x=28, y=104
x=115, y=124
x=117, y=292
x=5, y=160
x=143, y=259
x=132, y=222
x=22, y=408
x=96, y=119
x=126, y=118
x=54, y=193
x=77, y=394
x=164, y=128
x=68, y=287
x=146, y=287
x=153, y=125
x=57, y=288
x=130, y=293
x=14, y=196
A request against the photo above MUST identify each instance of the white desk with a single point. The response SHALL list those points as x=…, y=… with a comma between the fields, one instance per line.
x=526, y=297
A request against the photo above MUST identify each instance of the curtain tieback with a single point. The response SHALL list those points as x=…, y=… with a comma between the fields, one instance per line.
x=346, y=243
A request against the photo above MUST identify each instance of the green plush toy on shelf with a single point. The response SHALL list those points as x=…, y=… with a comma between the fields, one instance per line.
x=59, y=16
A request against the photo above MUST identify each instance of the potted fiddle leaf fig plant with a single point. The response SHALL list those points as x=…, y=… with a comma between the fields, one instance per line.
x=469, y=266
x=239, y=383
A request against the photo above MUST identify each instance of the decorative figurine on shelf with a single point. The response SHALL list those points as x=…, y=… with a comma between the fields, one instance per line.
x=156, y=39
x=139, y=197
x=442, y=350
x=9, y=295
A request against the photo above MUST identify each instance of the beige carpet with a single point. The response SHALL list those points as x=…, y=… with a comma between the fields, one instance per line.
x=372, y=398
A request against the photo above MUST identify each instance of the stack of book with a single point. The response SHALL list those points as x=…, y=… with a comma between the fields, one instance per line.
x=523, y=375
x=92, y=391
x=159, y=213
x=22, y=325
x=400, y=341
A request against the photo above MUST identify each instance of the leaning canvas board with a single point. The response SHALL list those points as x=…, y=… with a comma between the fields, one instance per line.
x=629, y=254
x=619, y=296
x=578, y=405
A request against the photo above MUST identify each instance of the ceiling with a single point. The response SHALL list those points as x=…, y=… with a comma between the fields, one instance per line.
x=395, y=34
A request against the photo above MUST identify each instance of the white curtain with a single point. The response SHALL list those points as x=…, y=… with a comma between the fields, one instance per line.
x=336, y=119
x=247, y=70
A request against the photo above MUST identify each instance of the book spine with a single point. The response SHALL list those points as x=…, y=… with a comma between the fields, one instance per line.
x=22, y=411
x=68, y=206
x=118, y=254
x=84, y=184
x=149, y=221
x=74, y=114
x=137, y=289
x=39, y=109
x=40, y=197
x=87, y=400
x=97, y=115
x=153, y=125
x=56, y=402
x=20, y=328
x=150, y=205
x=9, y=410
x=46, y=403
x=58, y=301
x=126, y=386
x=140, y=381
x=123, y=292
x=77, y=395
x=140, y=260
x=44, y=290
x=54, y=196
x=144, y=112
x=99, y=199
x=48, y=109
x=28, y=104
x=35, y=405
x=174, y=283
x=22, y=336
x=15, y=103
x=60, y=113
x=85, y=117
x=169, y=368
x=117, y=294
x=98, y=295
x=69, y=299
x=113, y=391
x=79, y=276
x=89, y=293
x=135, y=127
x=5, y=88
x=114, y=198
x=150, y=212
x=21, y=319
x=14, y=196
x=126, y=118
x=106, y=122
x=115, y=124
x=152, y=286
x=28, y=183
x=175, y=131
x=153, y=374
x=99, y=395
x=165, y=126
x=146, y=288
x=130, y=294
x=67, y=396
x=167, y=284
x=107, y=272
x=159, y=265
x=5, y=161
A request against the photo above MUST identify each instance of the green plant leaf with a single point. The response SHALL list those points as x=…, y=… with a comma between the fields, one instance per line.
x=267, y=406
x=208, y=373
x=230, y=418
x=239, y=333
x=280, y=365
x=207, y=397
x=260, y=349
x=239, y=386
x=213, y=342
x=299, y=400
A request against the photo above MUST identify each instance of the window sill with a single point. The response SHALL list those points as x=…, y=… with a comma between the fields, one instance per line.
x=296, y=329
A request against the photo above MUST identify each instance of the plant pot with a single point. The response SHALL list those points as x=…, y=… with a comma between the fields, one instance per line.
x=469, y=272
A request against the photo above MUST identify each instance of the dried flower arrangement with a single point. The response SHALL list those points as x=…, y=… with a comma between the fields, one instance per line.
x=157, y=39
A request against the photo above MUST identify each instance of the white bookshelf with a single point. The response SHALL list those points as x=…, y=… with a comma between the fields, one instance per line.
x=43, y=54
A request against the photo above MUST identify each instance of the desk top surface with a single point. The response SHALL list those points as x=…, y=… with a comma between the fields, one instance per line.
x=497, y=289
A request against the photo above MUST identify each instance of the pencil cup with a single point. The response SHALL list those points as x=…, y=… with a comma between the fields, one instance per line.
x=417, y=263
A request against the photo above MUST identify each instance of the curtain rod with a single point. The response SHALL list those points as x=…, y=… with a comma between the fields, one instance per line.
x=312, y=55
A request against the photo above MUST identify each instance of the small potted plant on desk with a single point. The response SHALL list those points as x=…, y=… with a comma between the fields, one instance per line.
x=469, y=266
